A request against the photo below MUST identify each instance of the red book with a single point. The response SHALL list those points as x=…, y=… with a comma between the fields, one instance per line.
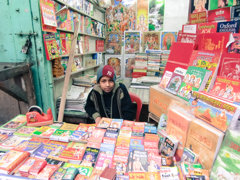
x=219, y=15
x=213, y=41
x=150, y=144
x=59, y=143
x=186, y=38
x=63, y=43
x=97, y=135
x=38, y=139
x=210, y=27
x=196, y=18
x=109, y=140
x=229, y=66
x=128, y=123
x=152, y=152
x=94, y=144
x=121, y=151
x=38, y=165
x=50, y=44
x=47, y=171
x=73, y=153
x=99, y=45
x=108, y=174
x=179, y=56
x=140, y=124
x=138, y=74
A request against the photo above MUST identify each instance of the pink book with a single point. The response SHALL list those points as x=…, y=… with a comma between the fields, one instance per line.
x=97, y=135
x=104, y=160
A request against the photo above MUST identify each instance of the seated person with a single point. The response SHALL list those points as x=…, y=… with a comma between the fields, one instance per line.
x=108, y=98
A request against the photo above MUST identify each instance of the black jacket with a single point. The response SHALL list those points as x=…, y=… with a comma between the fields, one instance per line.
x=121, y=105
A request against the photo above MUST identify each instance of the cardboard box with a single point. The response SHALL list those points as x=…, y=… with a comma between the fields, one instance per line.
x=160, y=100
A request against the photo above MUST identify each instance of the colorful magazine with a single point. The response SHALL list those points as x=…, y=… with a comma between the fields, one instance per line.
x=51, y=47
x=49, y=149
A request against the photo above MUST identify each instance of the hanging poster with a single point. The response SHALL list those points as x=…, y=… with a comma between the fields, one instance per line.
x=199, y=5
x=150, y=40
x=129, y=61
x=113, y=43
x=142, y=15
x=132, y=40
x=167, y=39
x=49, y=22
x=121, y=16
x=156, y=15
x=114, y=61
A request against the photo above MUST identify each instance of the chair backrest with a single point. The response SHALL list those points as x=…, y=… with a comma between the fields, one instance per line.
x=136, y=98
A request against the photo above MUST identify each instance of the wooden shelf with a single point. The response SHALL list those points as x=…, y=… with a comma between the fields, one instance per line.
x=76, y=10
x=83, y=54
x=75, y=72
x=70, y=31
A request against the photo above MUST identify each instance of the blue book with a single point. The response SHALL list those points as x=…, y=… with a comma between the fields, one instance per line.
x=116, y=123
x=30, y=146
x=229, y=26
x=122, y=177
x=49, y=149
x=79, y=136
x=235, y=15
x=136, y=147
x=111, y=134
x=107, y=148
x=135, y=142
x=150, y=129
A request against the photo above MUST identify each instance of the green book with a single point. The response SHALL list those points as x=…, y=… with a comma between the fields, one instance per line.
x=25, y=131
x=15, y=123
x=45, y=131
x=214, y=4
x=61, y=135
x=227, y=164
x=194, y=80
x=86, y=171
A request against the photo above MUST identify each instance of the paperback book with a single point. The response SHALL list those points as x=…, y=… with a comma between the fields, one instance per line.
x=12, y=142
x=25, y=131
x=83, y=170
x=29, y=146
x=15, y=123
x=90, y=157
x=104, y=123
x=79, y=136
x=140, y=161
x=97, y=135
x=104, y=160
x=169, y=146
x=116, y=123
x=49, y=149
x=50, y=44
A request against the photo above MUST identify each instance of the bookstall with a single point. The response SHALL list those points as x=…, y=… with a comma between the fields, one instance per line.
x=190, y=70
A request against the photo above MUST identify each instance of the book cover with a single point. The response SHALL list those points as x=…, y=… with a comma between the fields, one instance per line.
x=56, y=160
x=216, y=112
x=168, y=161
x=169, y=173
x=12, y=142
x=90, y=157
x=27, y=165
x=235, y=16
x=70, y=173
x=86, y=127
x=213, y=41
x=206, y=60
x=227, y=161
x=139, y=134
x=149, y=144
x=162, y=122
x=139, y=124
x=86, y=44
x=109, y=140
x=122, y=177
x=169, y=146
x=111, y=134
x=48, y=132
x=15, y=123
x=40, y=130
x=165, y=79
x=137, y=176
x=189, y=28
x=233, y=47
x=104, y=123
x=73, y=153
x=29, y=146
x=226, y=89
x=63, y=43
x=124, y=142
x=230, y=26
x=50, y=44
x=194, y=80
x=68, y=42
x=43, y=140
x=175, y=80
x=150, y=129
x=59, y=143
x=134, y=141
x=186, y=38
x=177, y=126
x=219, y=15
x=198, y=17
x=81, y=177
x=83, y=170
x=136, y=147
x=138, y=129
x=96, y=145
x=64, y=19
x=199, y=172
x=140, y=161
x=161, y=134
x=205, y=141
x=65, y=136
x=38, y=165
x=69, y=126
x=125, y=133
x=97, y=135
x=128, y=123
x=154, y=163
x=4, y=134
x=58, y=174
x=49, y=149
x=210, y=27
x=56, y=135
x=80, y=136
x=25, y=131
x=116, y=123
x=189, y=156
x=47, y=171
x=107, y=148
x=119, y=162
x=104, y=160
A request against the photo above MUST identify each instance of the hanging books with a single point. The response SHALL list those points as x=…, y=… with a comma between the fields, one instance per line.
x=50, y=44
x=194, y=80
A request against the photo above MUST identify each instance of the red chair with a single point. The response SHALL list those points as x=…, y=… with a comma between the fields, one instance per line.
x=136, y=99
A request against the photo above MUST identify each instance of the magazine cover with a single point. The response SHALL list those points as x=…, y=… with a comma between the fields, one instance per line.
x=113, y=43
x=50, y=44
x=132, y=42
x=116, y=62
x=140, y=161
x=167, y=39
x=150, y=40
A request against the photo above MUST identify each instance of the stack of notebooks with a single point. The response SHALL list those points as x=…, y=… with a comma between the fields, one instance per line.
x=154, y=63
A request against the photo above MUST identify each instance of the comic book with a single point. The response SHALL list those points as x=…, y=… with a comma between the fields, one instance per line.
x=104, y=123
x=97, y=135
x=87, y=25
x=214, y=111
x=126, y=128
x=154, y=163
x=25, y=131
x=58, y=174
x=47, y=171
x=11, y=160
x=140, y=161
x=104, y=160
x=195, y=80
x=169, y=173
x=15, y=123
x=29, y=146
x=12, y=142
x=165, y=79
x=83, y=170
x=136, y=141
x=49, y=149
x=86, y=127
x=169, y=146
x=90, y=157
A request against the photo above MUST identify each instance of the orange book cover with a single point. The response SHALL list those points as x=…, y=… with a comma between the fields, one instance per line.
x=124, y=142
x=177, y=126
x=137, y=175
x=128, y=123
x=204, y=140
x=153, y=175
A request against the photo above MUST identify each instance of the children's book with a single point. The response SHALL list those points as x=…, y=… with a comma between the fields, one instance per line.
x=50, y=44
x=82, y=170
x=70, y=173
x=97, y=135
x=15, y=123
x=194, y=80
x=58, y=174
x=169, y=146
x=227, y=161
x=104, y=123
x=169, y=173
x=165, y=79
x=214, y=111
x=12, y=142
x=140, y=161
x=116, y=123
x=69, y=126
x=11, y=160
x=104, y=160
x=162, y=122
x=47, y=171
x=49, y=149
x=80, y=136
x=175, y=80
x=29, y=146
x=207, y=149
x=154, y=163
x=25, y=131
x=90, y=157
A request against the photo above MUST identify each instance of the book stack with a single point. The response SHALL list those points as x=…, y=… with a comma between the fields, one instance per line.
x=140, y=67
x=154, y=64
